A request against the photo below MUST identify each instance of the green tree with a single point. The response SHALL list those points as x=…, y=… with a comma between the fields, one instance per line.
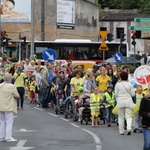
x=142, y=5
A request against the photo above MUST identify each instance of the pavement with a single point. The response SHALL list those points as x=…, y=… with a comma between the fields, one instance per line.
x=39, y=129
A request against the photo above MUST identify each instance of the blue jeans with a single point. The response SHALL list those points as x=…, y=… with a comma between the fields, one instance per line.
x=108, y=114
x=146, y=133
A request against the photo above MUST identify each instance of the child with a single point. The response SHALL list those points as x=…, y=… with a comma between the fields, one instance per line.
x=95, y=105
x=137, y=101
x=32, y=89
x=109, y=102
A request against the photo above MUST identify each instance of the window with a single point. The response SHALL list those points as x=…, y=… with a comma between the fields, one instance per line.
x=119, y=31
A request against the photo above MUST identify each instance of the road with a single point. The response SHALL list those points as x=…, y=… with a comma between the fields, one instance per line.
x=40, y=129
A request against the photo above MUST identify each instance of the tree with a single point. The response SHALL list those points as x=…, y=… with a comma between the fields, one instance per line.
x=142, y=5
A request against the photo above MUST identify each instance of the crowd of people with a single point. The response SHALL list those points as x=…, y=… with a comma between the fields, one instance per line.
x=110, y=85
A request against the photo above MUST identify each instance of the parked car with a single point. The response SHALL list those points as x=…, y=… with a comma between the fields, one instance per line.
x=142, y=60
x=124, y=61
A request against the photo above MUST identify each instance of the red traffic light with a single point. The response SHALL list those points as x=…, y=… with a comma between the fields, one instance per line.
x=133, y=31
x=3, y=33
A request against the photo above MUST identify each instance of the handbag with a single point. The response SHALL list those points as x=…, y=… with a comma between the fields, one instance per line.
x=128, y=92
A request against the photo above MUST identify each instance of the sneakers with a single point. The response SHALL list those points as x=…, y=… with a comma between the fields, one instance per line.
x=11, y=140
x=2, y=140
x=108, y=124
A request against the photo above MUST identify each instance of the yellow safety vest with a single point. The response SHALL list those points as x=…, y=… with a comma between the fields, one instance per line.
x=109, y=99
x=96, y=99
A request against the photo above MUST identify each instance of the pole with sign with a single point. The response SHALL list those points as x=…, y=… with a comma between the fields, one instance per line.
x=139, y=28
x=144, y=20
x=103, y=46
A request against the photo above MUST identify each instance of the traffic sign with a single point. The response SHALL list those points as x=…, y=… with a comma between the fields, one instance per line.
x=139, y=28
x=146, y=20
x=103, y=34
x=49, y=55
x=103, y=46
x=118, y=57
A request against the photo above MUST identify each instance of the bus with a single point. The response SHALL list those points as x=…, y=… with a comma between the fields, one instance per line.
x=80, y=51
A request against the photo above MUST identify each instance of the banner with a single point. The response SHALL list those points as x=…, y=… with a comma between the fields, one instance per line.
x=65, y=14
x=15, y=11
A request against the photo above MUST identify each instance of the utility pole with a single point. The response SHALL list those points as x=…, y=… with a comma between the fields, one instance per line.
x=32, y=29
x=42, y=20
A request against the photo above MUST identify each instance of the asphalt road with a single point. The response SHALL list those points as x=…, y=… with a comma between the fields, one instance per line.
x=40, y=129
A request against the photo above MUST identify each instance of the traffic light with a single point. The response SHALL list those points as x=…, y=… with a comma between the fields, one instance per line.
x=3, y=38
x=122, y=37
x=133, y=37
x=23, y=45
x=110, y=37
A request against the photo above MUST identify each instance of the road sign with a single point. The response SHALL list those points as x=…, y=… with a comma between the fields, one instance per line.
x=103, y=46
x=146, y=20
x=49, y=55
x=139, y=28
x=118, y=57
x=103, y=34
x=142, y=75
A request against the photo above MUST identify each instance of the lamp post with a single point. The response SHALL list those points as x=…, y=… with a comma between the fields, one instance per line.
x=32, y=30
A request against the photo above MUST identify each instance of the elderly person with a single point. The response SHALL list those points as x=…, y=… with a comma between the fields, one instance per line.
x=8, y=105
x=124, y=93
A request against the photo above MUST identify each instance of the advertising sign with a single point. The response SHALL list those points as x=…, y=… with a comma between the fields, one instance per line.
x=15, y=11
x=142, y=75
x=65, y=14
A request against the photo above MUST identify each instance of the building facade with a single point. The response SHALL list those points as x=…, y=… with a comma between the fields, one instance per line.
x=119, y=21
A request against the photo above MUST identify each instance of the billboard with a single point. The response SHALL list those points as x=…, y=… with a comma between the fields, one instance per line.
x=65, y=14
x=15, y=11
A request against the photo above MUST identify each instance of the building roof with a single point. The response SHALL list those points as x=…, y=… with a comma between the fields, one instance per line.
x=120, y=15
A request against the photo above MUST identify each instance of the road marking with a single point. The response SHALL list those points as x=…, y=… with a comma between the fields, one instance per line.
x=75, y=125
x=96, y=138
x=15, y=117
x=53, y=114
x=64, y=119
x=38, y=109
x=20, y=145
x=24, y=130
x=98, y=147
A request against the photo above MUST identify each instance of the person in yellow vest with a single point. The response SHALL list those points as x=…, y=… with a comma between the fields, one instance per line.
x=95, y=105
x=109, y=102
x=137, y=100
x=32, y=89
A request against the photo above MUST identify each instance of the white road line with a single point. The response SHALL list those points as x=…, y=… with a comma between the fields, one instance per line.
x=20, y=146
x=38, y=108
x=64, y=119
x=21, y=143
x=98, y=147
x=52, y=114
x=96, y=138
x=75, y=125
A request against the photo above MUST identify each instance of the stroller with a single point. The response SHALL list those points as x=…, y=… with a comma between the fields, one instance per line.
x=68, y=107
x=86, y=113
x=60, y=104
x=102, y=115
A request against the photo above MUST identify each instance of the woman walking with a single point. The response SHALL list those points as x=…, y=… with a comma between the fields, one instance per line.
x=124, y=93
